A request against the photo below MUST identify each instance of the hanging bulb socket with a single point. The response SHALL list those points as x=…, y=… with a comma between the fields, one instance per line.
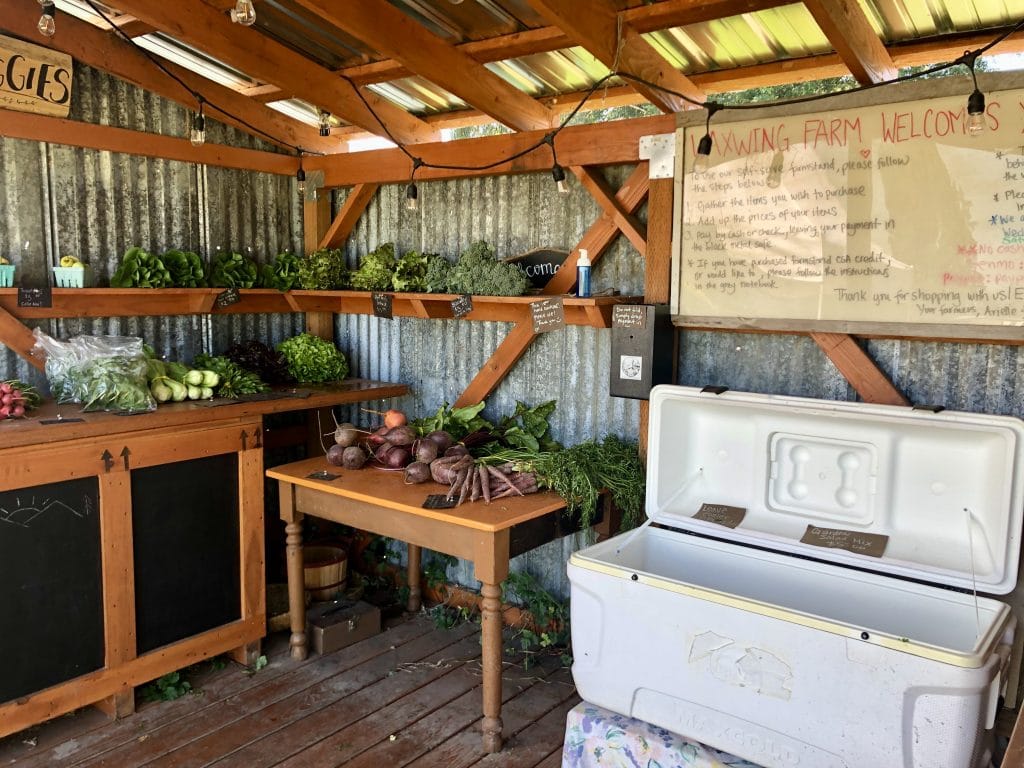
x=198, y=133
x=412, y=197
x=244, y=13
x=976, y=113
x=300, y=177
x=703, y=158
x=46, y=26
x=325, y=123
x=558, y=174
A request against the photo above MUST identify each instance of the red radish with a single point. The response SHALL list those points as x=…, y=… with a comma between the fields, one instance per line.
x=7, y=399
x=18, y=410
x=5, y=411
x=5, y=388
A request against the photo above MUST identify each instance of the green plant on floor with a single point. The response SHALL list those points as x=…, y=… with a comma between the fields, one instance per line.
x=435, y=569
x=171, y=686
x=550, y=630
x=447, y=616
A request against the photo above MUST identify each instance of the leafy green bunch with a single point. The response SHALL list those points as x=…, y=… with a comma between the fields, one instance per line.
x=479, y=272
x=232, y=270
x=323, y=270
x=186, y=268
x=234, y=380
x=141, y=269
x=282, y=273
x=375, y=269
x=312, y=359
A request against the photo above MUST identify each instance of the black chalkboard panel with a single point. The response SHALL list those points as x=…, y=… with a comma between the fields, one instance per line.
x=185, y=529
x=51, y=597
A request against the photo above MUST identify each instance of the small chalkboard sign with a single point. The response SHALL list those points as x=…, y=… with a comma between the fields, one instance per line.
x=439, y=501
x=462, y=306
x=382, y=303
x=629, y=316
x=61, y=420
x=541, y=264
x=870, y=544
x=227, y=297
x=548, y=314
x=35, y=297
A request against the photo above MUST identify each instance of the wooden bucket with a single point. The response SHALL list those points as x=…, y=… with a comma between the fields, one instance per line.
x=325, y=571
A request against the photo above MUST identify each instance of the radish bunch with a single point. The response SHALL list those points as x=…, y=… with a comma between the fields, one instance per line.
x=16, y=398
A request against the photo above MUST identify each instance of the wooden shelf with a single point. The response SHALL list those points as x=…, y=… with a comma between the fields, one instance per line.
x=143, y=302
x=44, y=426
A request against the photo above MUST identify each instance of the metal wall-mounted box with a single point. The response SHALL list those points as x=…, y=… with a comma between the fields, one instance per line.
x=643, y=349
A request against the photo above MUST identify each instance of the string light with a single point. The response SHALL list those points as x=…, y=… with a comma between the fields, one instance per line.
x=198, y=133
x=703, y=157
x=557, y=171
x=976, y=101
x=325, y=123
x=300, y=177
x=46, y=26
x=411, y=193
x=244, y=13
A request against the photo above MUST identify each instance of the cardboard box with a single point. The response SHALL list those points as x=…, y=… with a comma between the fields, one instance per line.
x=338, y=624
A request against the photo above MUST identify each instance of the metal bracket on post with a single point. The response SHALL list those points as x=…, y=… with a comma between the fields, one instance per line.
x=314, y=185
x=660, y=150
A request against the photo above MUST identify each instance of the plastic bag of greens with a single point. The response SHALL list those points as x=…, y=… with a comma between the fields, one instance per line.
x=103, y=373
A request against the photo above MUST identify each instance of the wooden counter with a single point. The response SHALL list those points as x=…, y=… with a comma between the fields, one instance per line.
x=133, y=546
x=379, y=501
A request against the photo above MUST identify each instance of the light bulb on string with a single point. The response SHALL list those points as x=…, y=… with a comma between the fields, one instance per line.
x=703, y=157
x=976, y=101
x=300, y=178
x=197, y=135
x=46, y=26
x=558, y=174
x=412, y=194
x=244, y=13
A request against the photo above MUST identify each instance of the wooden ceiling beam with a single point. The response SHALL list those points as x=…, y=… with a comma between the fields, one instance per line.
x=74, y=133
x=201, y=26
x=619, y=46
x=597, y=144
x=97, y=48
x=393, y=33
x=850, y=32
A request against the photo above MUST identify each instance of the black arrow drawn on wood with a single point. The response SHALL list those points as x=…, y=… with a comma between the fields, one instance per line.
x=108, y=460
x=125, y=453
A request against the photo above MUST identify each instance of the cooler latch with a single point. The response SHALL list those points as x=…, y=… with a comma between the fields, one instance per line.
x=714, y=390
x=930, y=408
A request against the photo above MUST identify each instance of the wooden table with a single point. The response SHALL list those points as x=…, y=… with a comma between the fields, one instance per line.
x=380, y=502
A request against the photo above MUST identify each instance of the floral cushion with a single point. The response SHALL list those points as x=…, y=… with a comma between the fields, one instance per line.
x=597, y=738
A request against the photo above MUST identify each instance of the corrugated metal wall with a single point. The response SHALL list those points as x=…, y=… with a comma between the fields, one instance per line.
x=98, y=204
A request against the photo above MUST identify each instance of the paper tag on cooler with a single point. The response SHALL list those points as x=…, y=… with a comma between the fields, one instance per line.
x=721, y=514
x=870, y=544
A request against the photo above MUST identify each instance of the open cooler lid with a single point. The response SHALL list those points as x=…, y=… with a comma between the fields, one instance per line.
x=932, y=496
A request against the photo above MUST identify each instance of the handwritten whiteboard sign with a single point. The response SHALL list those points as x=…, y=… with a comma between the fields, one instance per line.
x=882, y=217
x=34, y=79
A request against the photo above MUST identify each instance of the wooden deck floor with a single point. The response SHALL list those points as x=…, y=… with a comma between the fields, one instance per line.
x=409, y=696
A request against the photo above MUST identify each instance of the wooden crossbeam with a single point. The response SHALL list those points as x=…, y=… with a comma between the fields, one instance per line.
x=197, y=24
x=348, y=216
x=619, y=46
x=850, y=32
x=392, y=32
x=859, y=369
x=598, y=237
x=90, y=45
x=23, y=125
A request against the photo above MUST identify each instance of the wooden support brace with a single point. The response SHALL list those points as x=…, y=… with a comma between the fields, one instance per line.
x=624, y=219
x=596, y=240
x=348, y=216
x=18, y=337
x=859, y=369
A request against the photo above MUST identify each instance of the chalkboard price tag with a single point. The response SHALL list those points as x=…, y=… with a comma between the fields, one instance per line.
x=871, y=544
x=462, y=306
x=629, y=316
x=439, y=501
x=322, y=474
x=548, y=314
x=72, y=420
x=227, y=297
x=35, y=297
x=382, y=303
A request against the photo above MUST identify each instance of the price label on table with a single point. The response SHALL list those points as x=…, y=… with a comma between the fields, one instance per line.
x=227, y=298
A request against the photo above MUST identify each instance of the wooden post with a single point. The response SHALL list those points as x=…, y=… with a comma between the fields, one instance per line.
x=658, y=270
x=316, y=219
x=296, y=572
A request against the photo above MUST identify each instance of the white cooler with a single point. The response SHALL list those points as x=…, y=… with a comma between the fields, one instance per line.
x=809, y=596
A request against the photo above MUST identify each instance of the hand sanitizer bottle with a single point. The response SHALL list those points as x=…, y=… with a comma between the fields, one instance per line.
x=583, y=274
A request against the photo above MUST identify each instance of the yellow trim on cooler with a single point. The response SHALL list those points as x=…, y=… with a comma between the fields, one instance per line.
x=965, y=660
